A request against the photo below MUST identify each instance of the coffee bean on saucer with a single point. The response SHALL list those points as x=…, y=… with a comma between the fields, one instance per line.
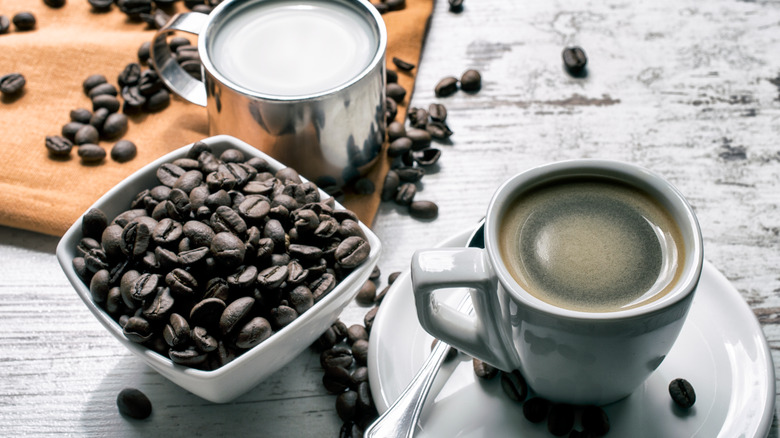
x=514, y=385
x=402, y=65
x=483, y=370
x=560, y=419
x=134, y=403
x=12, y=84
x=574, y=59
x=446, y=86
x=682, y=393
x=24, y=21
x=595, y=420
x=535, y=409
x=5, y=24
x=471, y=80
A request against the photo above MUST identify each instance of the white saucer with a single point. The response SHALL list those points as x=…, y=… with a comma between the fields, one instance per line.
x=721, y=351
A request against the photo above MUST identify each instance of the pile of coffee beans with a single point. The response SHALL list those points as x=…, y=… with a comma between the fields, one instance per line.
x=219, y=256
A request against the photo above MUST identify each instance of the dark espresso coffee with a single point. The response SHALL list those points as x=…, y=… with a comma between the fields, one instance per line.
x=591, y=245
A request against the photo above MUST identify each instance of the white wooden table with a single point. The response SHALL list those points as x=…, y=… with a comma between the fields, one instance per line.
x=686, y=88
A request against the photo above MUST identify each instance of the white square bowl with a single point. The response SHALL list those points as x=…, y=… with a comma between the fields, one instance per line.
x=250, y=368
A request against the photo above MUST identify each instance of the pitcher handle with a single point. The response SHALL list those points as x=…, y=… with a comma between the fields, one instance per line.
x=175, y=77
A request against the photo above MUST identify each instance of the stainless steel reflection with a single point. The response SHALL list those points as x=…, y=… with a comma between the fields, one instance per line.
x=331, y=137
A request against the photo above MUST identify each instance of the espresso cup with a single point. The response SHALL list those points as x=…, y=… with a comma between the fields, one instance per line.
x=587, y=275
x=302, y=80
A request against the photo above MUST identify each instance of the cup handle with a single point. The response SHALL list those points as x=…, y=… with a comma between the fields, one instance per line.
x=178, y=80
x=480, y=336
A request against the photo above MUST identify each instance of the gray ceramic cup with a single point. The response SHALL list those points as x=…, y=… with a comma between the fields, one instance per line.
x=565, y=355
x=331, y=135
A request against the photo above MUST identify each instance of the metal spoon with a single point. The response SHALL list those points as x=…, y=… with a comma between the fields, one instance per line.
x=400, y=420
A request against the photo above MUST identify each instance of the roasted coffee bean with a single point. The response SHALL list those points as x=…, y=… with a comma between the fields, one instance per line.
x=188, y=357
x=358, y=376
x=535, y=409
x=87, y=134
x=420, y=138
x=81, y=115
x=483, y=370
x=399, y=146
x=336, y=378
x=137, y=329
x=24, y=21
x=367, y=293
x=181, y=282
x=595, y=420
x=390, y=187
x=99, y=118
x=456, y=6
x=392, y=277
x=101, y=89
x=410, y=174
x=391, y=109
x=115, y=126
x=99, y=285
x=360, y=351
x=336, y=357
x=350, y=429
x=160, y=307
x=322, y=285
x=439, y=130
x=283, y=315
x=177, y=332
x=134, y=101
x=272, y=277
x=149, y=84
x=225, y=219
x=574, y=59
x=136, y=237
x=235, y=313
x=346, y=405
x=364, y=186
x=418, y=118
x=381, y=8
x=446, y=86
x=423, y=210
x=54, y=3
x=135, y=8
x=368, y=318
x=471, y=80
x=157, y=101
x=93, y=223
x=682, y=393
x=199, y=233
x=243, y=277
x=402, y=65
x=203, y=340
x=93, y=81
x=207, y=312
x=254, y=332
x=381, y=295
x=395, y=92
x=114, y=301
x=437, y=112
x=405, y=194
x=133, y=403
x=70, y=129
x=144, y=286
x=514, y=386
x=101, y=5
x=169, y=173
x=123, y=151
x=301, y=299
x=91, y=153
x=352, y=251
x=12, y=84
x=144, y=51
x=560, y=419
x=426, y=157
x=5, y=24
x=111, y=103
x=58, y=146
x=356, y=332
x=365, y=405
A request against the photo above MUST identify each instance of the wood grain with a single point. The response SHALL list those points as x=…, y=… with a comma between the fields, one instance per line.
x=686, y=88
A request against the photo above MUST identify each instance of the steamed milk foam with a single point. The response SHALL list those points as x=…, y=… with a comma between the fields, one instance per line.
x=293, y=48
x=591, y=245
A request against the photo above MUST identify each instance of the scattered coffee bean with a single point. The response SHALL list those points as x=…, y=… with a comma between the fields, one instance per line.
x=12, y=84
x=437, y=112
x=93, y=81
x=395, y=130
x=392, y=277
x=426, y=157
x=346, y=405
x=439, y=130
x=101, y=89
x=391, y=76
x=5, y=24
x=575, y=60
x=144, y=52
x=360, y=351
x=107, y=101
x=535, y=409
x=54, y=3
x=368, y=319
x=682, y=393
x=81, y=115
x=402, y=65
x=381, y=295
x=91, y=153
x=595, y=420
x=395, y=92
x=364, y=186
x=456, y=6
x=396, y=5
x=483, y=370
x=446, y=86
x=58, y=146
x=87, y=134
x=367, y=293
x=123, y=150
x=133, y=403
x=405, y=194
x=101, y=5
x=560, y=419
x=24, y=21
x=115, y=126
x=423, y=210
x=399, y=147
x=390, y=187
x=471, y=81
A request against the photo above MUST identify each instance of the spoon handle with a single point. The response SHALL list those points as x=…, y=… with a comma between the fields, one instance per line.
x=400, y=420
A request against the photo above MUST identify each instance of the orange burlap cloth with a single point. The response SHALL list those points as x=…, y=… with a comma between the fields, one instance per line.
x=71, y=43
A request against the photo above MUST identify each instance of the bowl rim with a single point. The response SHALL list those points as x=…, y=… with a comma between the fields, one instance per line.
x=65, y=253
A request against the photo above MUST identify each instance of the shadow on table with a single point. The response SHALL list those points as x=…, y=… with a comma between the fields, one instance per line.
x=292, y=402
x=28, y=239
